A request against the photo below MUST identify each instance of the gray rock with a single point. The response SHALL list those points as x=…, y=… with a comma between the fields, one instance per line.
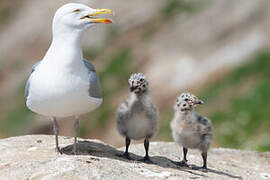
x=33, y=157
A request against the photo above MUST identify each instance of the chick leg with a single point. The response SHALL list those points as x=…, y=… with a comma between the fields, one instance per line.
x=185, y=150
x=146, y=147
x=126, y=153
x=184, y=161
x=204, y=156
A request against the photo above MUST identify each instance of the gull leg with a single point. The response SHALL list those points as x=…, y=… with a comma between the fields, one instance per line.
x=56, y=130
x=184, y=161
x=146, y=147
x=76, y=127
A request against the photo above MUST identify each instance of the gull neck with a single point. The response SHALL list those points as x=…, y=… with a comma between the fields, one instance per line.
x=65, y=48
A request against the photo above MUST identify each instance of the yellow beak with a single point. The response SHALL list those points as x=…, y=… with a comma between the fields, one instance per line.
x=102, y=20
x=100, y=12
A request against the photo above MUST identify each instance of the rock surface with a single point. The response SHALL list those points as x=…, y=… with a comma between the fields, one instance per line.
x=32, y=157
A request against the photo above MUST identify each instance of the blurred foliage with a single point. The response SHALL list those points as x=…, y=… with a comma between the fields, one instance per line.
x=17, y=117
x=169, y=9
x=173, y=7
x=7, y=10
x=164, y=133
x=150, y=29
x=91, y=53
x=245, y=124
x=113, y=32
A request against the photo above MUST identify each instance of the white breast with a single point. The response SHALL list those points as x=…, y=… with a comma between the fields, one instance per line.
x=61, y=92
x=138, y=126
x=184, y=132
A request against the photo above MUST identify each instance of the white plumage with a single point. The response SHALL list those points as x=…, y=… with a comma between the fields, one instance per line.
x=63, y=84
x=59, y=85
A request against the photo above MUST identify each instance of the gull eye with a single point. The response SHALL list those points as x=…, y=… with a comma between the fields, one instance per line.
x=186, y=99
x=77, y=10
x=141, y=79
x=143, y=85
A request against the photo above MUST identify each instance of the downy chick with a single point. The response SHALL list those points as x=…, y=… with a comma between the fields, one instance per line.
x=137, y=116
x=190, y=129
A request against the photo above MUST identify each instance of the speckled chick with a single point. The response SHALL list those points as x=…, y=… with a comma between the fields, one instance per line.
x=137, y=116
x=190, y=129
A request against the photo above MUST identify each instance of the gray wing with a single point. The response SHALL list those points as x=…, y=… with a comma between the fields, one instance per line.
x=203, y=120
x=205, y=126
x=26, y=93
x=94, y=84
x=205, y=130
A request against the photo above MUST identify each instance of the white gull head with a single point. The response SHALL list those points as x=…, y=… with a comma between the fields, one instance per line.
x=69, y=22
x=74, y=17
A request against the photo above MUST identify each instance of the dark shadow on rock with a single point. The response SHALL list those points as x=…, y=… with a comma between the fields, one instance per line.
x=102, y=150
x=224, y=174
x=198, y=168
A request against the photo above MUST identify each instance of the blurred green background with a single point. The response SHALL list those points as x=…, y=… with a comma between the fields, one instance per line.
x=218, y=50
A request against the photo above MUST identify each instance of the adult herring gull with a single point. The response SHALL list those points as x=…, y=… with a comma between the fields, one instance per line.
x=64, y=84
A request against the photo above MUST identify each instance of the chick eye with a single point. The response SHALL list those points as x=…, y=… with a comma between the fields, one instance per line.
x=186, y=99
x=143, y=85
x=77, y=10
x=141, y=79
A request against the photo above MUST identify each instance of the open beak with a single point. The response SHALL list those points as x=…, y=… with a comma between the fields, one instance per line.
x=198, y=101
x=99, y=20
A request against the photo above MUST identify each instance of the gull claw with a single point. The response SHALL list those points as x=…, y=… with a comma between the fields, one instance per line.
x=58, y=150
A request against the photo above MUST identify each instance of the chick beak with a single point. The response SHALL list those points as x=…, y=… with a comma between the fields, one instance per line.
x=132, y=88
x=100, y=12
x=198, y=101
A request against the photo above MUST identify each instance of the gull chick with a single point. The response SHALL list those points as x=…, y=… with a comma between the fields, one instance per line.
x=64, y=84
x=137, y=116
x=190, y=129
